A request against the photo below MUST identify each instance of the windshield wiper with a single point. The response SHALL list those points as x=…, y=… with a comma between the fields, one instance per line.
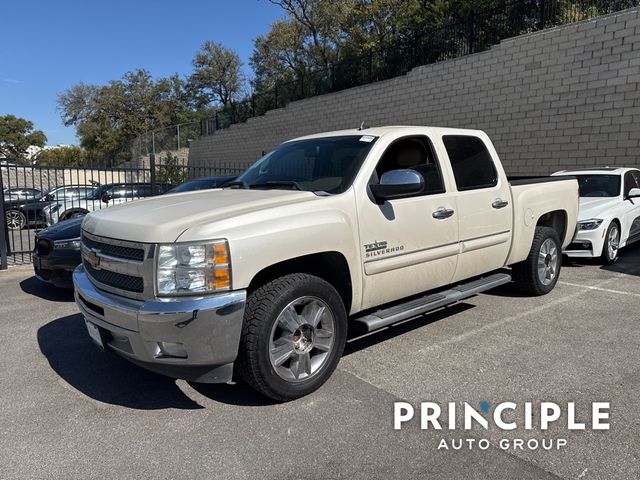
x=278, y=183
x=238, y=183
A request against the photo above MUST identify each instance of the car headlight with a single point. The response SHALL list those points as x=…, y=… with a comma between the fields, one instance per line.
x=590, y=224
x=71, y=244
x=190, y=269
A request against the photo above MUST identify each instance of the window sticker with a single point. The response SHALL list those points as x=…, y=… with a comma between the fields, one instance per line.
x=367, y=138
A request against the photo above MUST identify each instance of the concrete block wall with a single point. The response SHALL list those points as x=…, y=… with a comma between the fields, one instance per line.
x=560, y=98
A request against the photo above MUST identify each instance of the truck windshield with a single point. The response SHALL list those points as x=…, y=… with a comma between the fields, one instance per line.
x=599, y=185
x=327, y=164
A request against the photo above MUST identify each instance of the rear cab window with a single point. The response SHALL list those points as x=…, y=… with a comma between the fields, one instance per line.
x=472, y=164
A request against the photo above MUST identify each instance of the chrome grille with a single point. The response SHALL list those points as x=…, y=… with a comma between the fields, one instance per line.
x=115, y=279
x=118, y=251
x=119, y=266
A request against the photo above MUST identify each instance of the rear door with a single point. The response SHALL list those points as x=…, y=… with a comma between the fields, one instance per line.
x=485, y=213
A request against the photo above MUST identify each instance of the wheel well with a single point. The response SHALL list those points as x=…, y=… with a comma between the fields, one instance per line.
x=556, y=220
x=67, y=214
x=330, y=266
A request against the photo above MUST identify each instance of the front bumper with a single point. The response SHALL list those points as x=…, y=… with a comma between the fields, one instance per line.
x=208, y=329
x=587, y=243
x=56, y=268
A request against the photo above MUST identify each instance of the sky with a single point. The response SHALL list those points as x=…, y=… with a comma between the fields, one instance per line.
x=48, y=46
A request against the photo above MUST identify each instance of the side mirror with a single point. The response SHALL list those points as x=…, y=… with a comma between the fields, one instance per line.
x=398, y=184
x=105, y=198
x=633, y=193
x=48, y=197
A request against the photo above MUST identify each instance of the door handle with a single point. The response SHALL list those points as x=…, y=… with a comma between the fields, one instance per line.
x=442, y=213
x=499, y=203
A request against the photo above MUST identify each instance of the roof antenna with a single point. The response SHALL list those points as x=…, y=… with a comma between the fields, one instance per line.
x=363, y=126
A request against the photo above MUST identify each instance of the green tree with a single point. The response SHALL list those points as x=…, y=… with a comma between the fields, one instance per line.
x=217, y=77
x=171, y=170
x=62, y=157
x=16, y=135
x=107, y=118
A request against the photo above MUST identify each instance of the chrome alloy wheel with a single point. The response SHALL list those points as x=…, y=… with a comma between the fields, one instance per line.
x=613, y=241
x=15, y=220
x=301, y=339
x=547, y=261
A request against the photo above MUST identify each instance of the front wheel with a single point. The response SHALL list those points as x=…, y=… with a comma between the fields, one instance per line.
x=538, y=274
x=611, y=244
x=293, y=336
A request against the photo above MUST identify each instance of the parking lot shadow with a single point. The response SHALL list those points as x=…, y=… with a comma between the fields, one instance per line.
x=629, y=261
x=36, y=287
x=103, y=376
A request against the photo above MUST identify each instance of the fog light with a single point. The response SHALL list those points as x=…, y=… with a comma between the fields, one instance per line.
x=171, y=349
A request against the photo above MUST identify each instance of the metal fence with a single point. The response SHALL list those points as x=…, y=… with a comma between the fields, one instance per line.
x=468, y=33
x=30, y=192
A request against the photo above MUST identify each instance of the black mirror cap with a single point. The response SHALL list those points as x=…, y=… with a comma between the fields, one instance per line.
x=105, y=198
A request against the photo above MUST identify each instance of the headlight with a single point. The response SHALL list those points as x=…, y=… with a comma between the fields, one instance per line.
x=590, y=224
x=71, y=244
x=189, y=269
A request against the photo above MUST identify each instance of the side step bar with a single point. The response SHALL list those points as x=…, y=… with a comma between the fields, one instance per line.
x=419, y=306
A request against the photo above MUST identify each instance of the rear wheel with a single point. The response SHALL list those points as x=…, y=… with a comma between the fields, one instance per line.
x=538, y=274
x=611, y=243
x=293, y=336
x=16, y=220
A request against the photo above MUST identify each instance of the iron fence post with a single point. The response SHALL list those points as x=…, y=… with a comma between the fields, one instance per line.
x=542, y=12
x=4, y=236
x=471, y=39
x=370, y=65
x=178, y=135
x=276, y=95
x=152, y=164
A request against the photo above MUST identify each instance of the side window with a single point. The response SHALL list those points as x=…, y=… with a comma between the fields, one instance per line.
x=143, y=191
x=629, y=182
x=471, y=162
x=415, y=153
x=636, y=174
x=119, y=191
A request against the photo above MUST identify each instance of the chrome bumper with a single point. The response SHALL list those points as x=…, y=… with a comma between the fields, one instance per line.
x=207, y=328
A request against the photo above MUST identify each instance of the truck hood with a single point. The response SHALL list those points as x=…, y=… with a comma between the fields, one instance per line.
x=595, y=207
x=164, y=218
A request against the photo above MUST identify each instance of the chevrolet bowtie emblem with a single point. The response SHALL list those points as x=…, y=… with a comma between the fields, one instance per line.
x=91, y=257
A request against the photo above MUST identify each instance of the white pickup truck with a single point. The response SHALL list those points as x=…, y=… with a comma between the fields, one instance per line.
x=354, y=228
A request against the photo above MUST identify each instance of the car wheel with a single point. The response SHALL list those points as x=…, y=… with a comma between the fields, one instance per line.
x=16, y=220
x=611, y=243
x=293, y=336
x=538, y=274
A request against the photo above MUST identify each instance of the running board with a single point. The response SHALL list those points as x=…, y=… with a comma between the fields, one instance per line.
x=419, y=306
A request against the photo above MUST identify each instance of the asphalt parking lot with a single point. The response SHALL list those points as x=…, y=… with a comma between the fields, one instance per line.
x=71, y=411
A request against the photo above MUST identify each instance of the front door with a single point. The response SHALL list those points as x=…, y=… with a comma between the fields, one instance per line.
x=631, y=220
x=408, y=245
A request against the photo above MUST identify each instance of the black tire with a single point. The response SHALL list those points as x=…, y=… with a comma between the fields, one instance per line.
x=16, y=220
x=608, y=257
x=264, y=307
x=526, y=274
